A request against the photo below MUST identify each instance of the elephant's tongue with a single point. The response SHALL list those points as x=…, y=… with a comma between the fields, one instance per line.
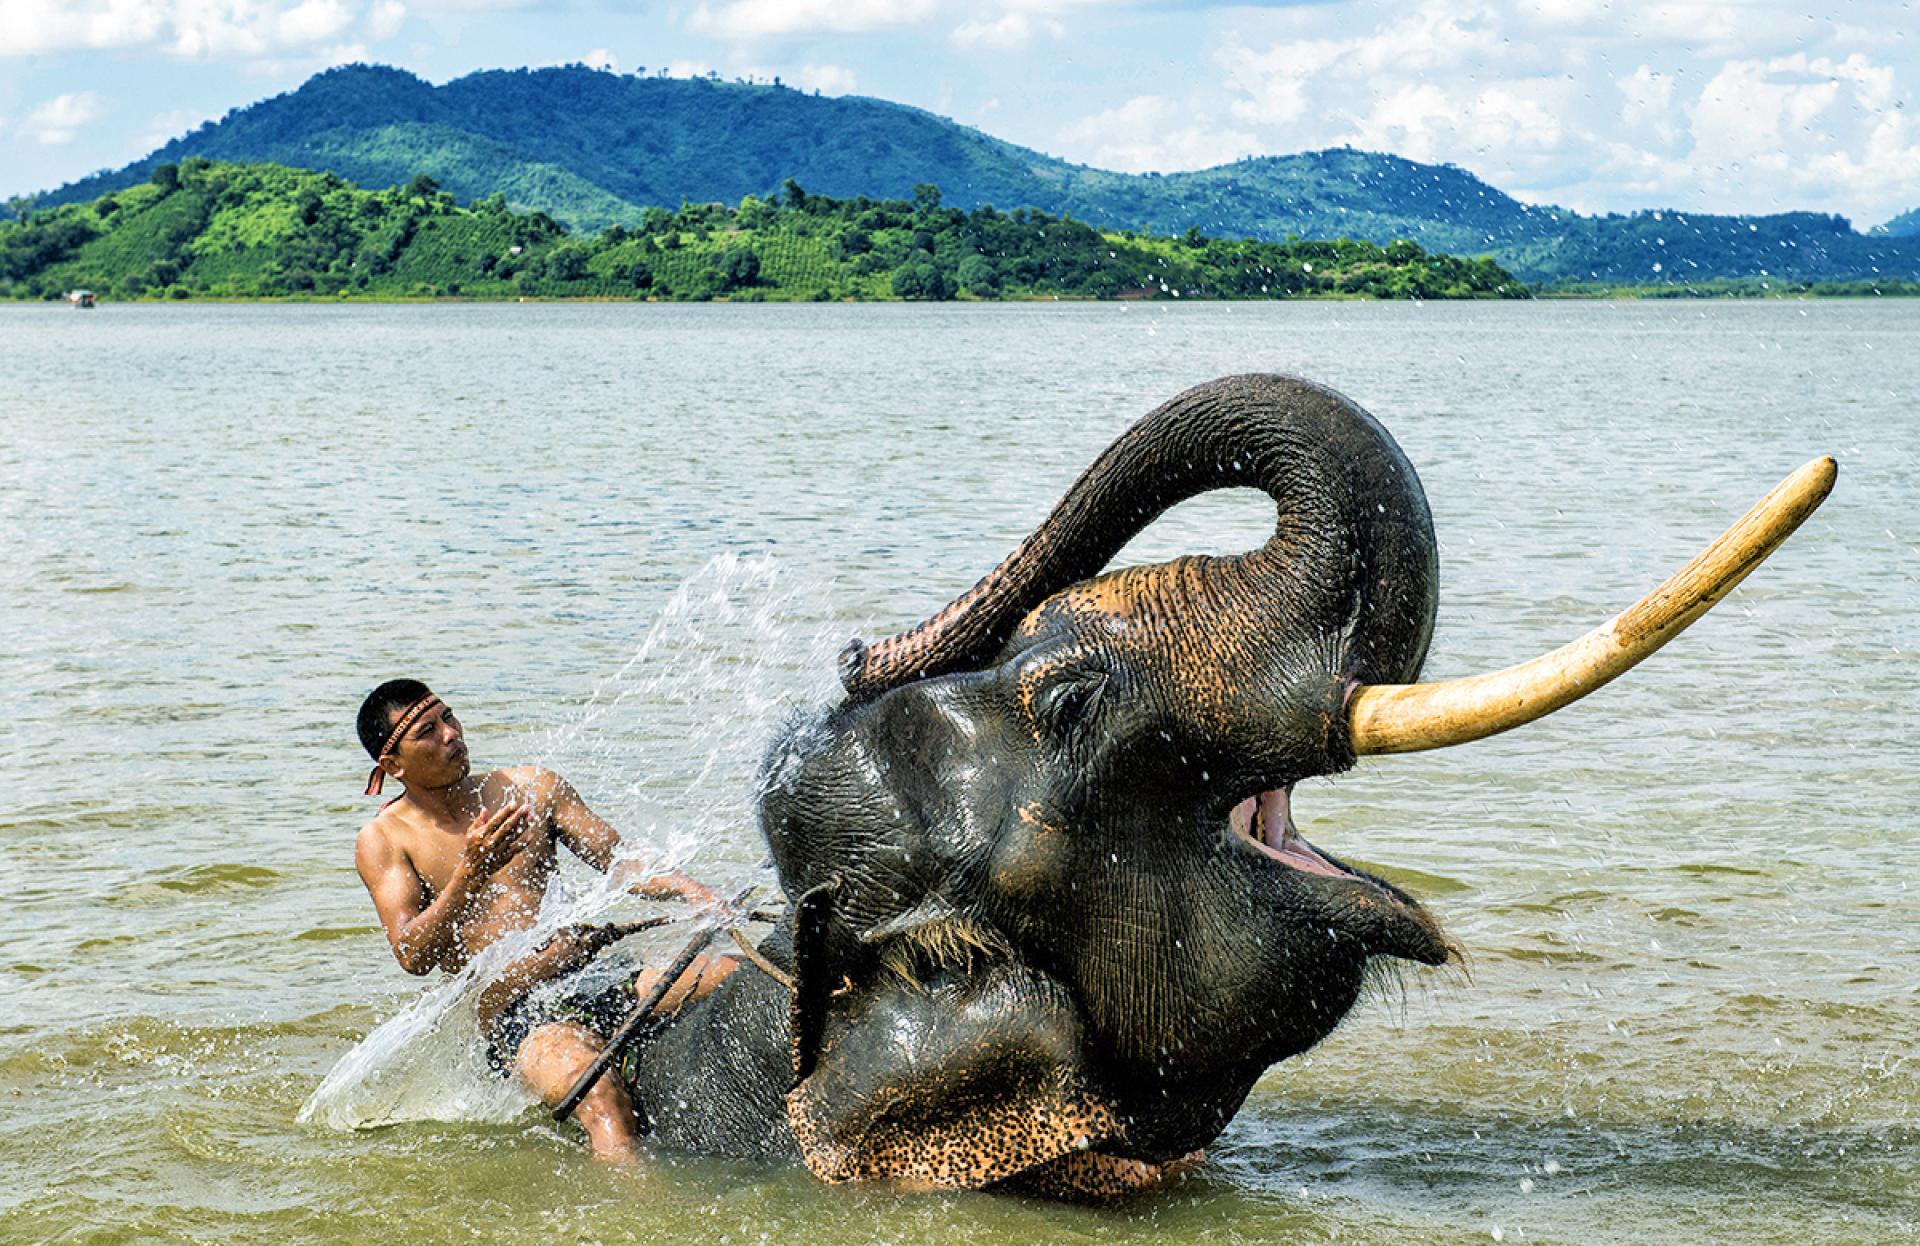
x=1267, y=820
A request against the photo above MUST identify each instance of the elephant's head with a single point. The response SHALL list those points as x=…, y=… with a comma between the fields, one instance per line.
x=1048, y=832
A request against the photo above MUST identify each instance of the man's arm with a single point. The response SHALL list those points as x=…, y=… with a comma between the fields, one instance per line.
x=594, y=841
x=424, y=937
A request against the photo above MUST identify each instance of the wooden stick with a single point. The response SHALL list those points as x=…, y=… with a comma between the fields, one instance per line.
x=641, y=1012
x=759, y=961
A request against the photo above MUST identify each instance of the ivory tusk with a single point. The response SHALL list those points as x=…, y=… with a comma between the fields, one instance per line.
x=1406, y=718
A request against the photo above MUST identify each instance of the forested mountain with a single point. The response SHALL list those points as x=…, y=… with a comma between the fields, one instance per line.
x=1906, y=225
x=201, y=229
x=594, y=149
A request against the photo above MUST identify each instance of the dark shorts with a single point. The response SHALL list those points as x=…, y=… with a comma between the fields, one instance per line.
x=597, y=1005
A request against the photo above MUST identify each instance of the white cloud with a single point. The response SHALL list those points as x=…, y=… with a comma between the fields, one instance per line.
x=1565, y=13
x=1695, y=104
x=745, y=20
x=384, y=19
x=63, y=116
x=1648, y=102
x=1008, y=32
x=826, y=79
x=1275, y=83
x=477, y=6
x=1435, y=124
x=32, y=27
x=1434, y=36
x=188, y=28
x=995, y=24
x=164, y=127
x=1437, y=82
x=600, y=58
x=1400, y=67
x=1811, y=125
x=305, y=62
x=1714, y=29
x=1154, y=133
x=313, y=21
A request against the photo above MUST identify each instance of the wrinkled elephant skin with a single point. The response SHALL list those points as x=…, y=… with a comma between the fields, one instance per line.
x=1054, y=917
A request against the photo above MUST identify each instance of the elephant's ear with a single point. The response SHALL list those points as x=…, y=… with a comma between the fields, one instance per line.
x=966, y=1080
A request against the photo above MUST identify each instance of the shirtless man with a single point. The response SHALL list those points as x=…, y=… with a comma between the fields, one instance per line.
x=460, y=860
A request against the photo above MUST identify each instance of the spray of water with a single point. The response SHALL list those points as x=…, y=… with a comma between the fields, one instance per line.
x=667, y=748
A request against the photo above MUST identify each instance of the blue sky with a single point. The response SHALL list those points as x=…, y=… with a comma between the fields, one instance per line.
x=1728, y=105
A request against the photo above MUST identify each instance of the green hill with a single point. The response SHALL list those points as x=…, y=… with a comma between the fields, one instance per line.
x=206, y=229
x=594, y=149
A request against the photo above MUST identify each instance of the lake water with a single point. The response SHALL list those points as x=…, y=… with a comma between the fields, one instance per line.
x=625, y=539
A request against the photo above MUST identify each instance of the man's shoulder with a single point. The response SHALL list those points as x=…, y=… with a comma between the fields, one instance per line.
x=377, y=840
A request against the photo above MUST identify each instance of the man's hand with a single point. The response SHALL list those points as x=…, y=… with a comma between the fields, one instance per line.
x=493, y=839
x=580, y=942
x=673, y=885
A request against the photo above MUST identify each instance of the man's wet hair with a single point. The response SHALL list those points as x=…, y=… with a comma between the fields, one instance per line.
x=375, y=723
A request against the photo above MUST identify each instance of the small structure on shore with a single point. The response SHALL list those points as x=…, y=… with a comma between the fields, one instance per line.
x=81, y=298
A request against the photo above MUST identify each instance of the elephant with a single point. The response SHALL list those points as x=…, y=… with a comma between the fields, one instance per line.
x=1050, y=917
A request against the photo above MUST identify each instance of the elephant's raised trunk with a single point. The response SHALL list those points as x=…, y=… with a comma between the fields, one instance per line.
x=1352, y=545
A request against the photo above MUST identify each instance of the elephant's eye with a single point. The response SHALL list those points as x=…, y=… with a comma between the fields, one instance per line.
x=1068, y=700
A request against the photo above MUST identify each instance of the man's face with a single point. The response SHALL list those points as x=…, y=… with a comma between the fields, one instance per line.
x=433, y=752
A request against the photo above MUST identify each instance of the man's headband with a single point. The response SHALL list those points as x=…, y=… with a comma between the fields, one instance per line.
x=423, y=706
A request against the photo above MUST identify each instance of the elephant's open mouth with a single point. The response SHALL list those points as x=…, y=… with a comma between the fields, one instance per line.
x=1266, y=821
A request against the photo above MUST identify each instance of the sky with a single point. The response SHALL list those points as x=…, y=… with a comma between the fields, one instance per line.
x=1596, y=105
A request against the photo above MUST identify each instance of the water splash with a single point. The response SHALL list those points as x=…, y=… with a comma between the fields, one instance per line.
x=668, y=749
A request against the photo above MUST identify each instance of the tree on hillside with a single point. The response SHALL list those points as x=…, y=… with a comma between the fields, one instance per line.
x=979, y=277
x=307, y=203
x=920, y=280
x=753, y=213
x=567, y=262
x=739, y=267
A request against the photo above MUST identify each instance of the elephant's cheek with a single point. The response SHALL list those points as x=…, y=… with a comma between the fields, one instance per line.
x=1030, y=862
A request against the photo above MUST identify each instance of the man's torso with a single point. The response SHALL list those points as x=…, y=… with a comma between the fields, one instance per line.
x=508, y=900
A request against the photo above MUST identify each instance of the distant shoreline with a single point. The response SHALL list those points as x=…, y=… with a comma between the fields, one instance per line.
x=1655, y=294
x=210, y=232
